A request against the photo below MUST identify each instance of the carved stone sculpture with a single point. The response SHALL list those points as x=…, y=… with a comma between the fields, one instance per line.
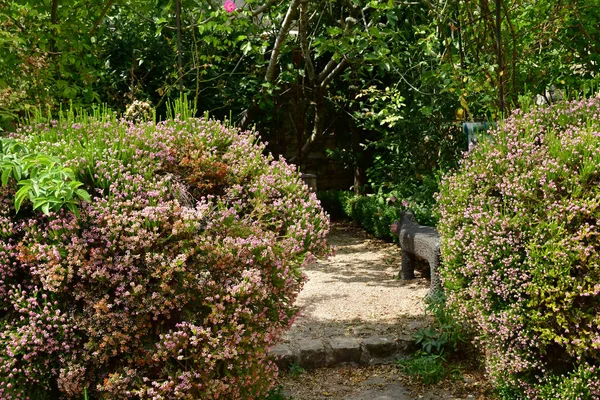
x=419, y=241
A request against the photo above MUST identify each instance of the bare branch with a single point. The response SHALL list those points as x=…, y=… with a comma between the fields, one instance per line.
x=335, y=72
x=179, y=46
x=101, y=17
x=187, y=27
x=332, y=64
x=302, y=28
x=283, y=33
x=53, y=20
x=319, y=129
x=327, y=70
x=53, y=15
x=173, y=28
x=263, y=8
x=352, y=7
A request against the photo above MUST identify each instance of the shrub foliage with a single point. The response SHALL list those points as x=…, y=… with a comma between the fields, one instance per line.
x=172, y=281
x=520, y=226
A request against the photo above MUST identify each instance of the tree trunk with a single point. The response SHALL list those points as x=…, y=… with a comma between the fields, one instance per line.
x=360, y=178
x=270, y=74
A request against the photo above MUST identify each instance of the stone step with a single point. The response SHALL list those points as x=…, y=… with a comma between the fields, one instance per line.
x=315, y=353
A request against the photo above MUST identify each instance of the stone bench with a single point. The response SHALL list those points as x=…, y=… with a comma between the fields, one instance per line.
x=422, y=242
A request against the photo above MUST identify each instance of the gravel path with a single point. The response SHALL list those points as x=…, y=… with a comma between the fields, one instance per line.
x=356, y=294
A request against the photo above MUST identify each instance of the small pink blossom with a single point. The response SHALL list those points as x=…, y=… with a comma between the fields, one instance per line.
x=229, y=6
x=395, y=227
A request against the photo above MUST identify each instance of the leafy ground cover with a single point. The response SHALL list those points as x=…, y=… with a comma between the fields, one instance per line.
x=171, y=280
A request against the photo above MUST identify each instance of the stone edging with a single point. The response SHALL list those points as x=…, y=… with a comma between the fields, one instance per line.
x=314, y=353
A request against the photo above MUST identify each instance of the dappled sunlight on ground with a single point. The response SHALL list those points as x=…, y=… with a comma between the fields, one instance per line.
x=357, y=292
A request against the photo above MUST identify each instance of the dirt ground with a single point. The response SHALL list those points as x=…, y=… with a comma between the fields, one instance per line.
x=379, y=382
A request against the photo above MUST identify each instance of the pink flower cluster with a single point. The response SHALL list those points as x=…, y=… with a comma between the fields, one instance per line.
x=229, y=6
x=152, y=292
x=520, y=226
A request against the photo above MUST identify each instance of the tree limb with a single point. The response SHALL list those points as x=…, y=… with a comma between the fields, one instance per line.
x=179, y=46
x=101, y=17
x=271, y=68
x=53, y=15
x=326, y=70
x=335, y=72
x=263, y=8
x=331, y=65
x=283, y=33
x=53, y=20
x=318, y=128
x=302, y=29
x=172, y=28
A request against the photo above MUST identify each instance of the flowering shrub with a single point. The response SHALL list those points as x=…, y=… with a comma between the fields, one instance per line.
x=139, y=111
x=173, y=281
x=520, y=226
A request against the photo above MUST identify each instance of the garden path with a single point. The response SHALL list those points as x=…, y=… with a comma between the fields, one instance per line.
x=355, y=309
x=356, y=293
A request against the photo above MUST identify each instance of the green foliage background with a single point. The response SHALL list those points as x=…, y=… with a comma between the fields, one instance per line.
x=411, y=70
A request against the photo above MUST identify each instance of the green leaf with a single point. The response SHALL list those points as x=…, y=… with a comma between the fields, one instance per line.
x=20, y=196
x=83, y=195
x=73, y=208
x=17, y=172
x=246, y=48
x=334, y=30
x=34, y=185
x=46, y=208
x=391, y=16
x=5, y=176
x=37, y=203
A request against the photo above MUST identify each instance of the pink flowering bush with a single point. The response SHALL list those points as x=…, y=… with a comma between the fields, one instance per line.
x=520, y=226
x=172, y=282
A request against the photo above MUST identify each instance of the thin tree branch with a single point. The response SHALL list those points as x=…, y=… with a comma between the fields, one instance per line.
x=302, y=28
x=514, y=52
x=335, y=72
x=179, y=46
x=172, y=28
x=188, y=27
x=101, y=17
x=500, y=55
x=327, y=70
x=53, y=20
x=272, y=66
x=263, y=8
x=53, y=15
x=283, y=33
